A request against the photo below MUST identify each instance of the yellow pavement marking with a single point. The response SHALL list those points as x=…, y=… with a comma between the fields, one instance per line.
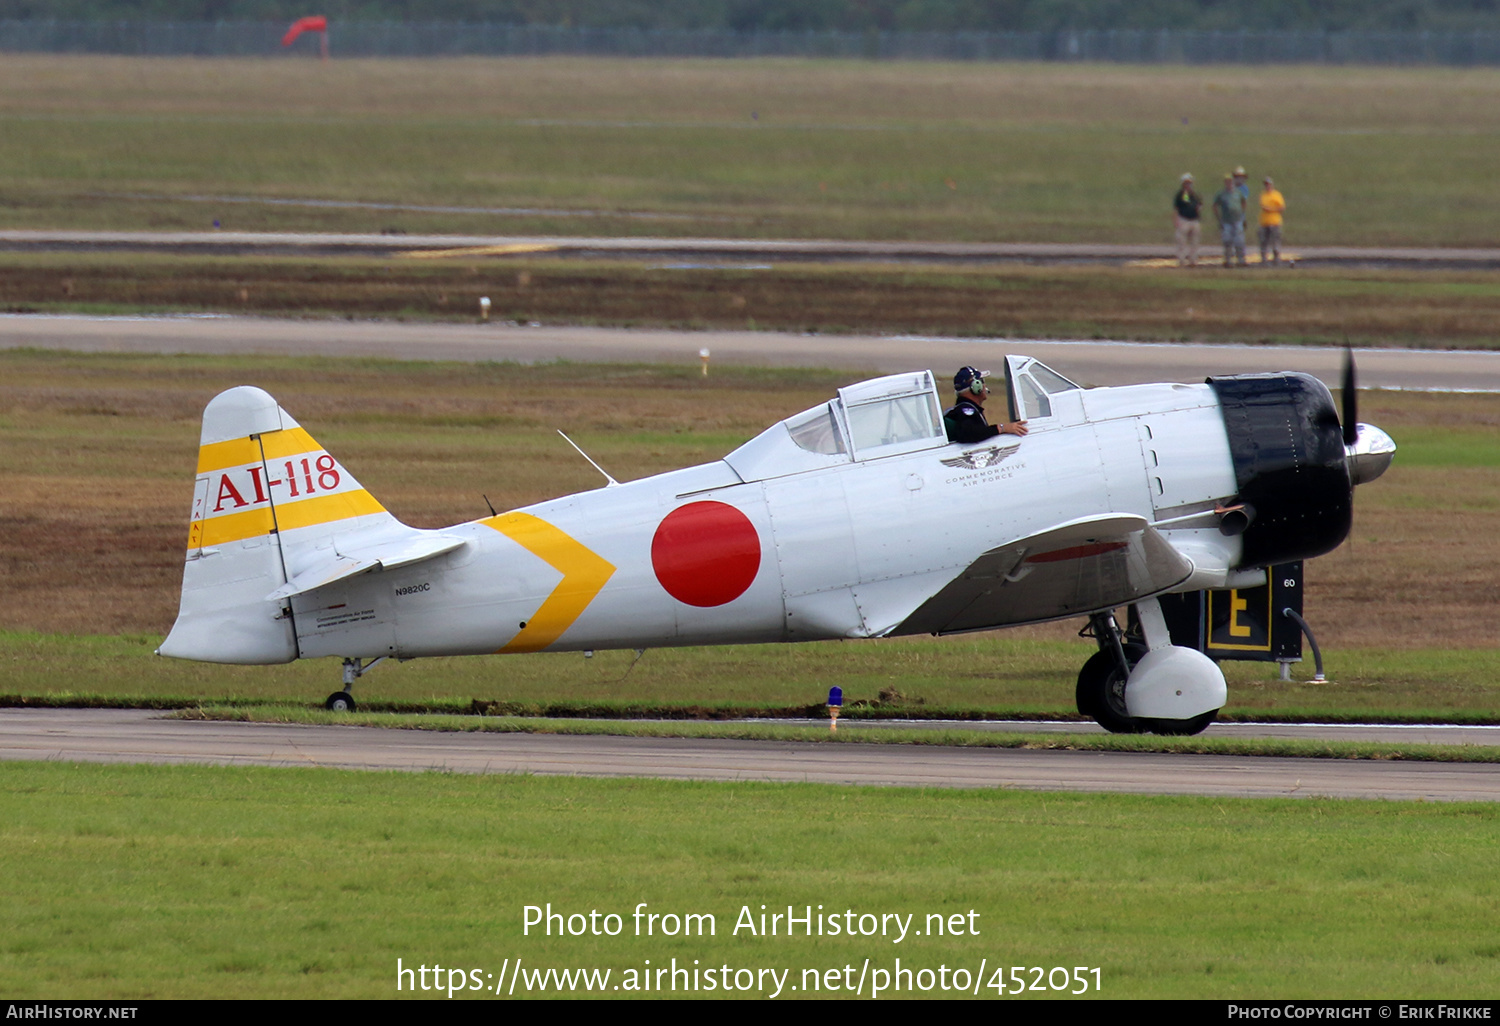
x=584, y=575
x=474, y=251
x=1212, y=259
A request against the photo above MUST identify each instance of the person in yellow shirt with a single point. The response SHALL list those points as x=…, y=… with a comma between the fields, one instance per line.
x=1272, y=204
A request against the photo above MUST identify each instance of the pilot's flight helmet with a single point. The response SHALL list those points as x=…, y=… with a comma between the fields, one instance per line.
x=970, y=379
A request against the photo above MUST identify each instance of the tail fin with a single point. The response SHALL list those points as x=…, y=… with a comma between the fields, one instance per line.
x=267, y=498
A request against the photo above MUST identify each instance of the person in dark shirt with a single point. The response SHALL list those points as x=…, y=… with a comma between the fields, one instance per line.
x=1186, y=208
x=965, y=420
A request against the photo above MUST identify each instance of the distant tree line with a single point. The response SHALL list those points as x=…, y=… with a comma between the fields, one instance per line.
x=819, y=15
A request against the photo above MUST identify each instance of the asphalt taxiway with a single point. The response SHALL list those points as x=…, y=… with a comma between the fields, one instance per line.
x=1090, y=363
x=143, y=736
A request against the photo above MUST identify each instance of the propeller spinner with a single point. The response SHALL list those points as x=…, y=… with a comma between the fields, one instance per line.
x=1367, y=449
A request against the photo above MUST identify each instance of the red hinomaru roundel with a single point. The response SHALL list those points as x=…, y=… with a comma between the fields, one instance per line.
x=705, y=553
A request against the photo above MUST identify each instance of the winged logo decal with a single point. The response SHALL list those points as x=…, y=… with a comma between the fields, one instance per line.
x=978, y=459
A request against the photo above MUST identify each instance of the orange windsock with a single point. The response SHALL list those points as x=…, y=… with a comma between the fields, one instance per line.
x=315, y=23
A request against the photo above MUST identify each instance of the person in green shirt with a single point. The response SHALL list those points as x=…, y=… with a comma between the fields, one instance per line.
x=1229, y=209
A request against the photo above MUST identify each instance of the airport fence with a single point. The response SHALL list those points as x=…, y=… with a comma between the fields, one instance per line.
x=438, y=39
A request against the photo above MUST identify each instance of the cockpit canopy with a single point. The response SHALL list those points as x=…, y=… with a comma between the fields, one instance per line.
x=888, y=416
x=892, y=415
x=1030, y=383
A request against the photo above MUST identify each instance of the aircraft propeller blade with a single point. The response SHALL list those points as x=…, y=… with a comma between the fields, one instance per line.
x=1367, y=451
x=1350, y=397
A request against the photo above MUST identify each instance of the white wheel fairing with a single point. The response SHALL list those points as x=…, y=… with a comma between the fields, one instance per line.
x=1175, y=684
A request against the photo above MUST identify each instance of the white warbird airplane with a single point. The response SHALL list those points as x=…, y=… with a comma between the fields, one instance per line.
x=854, y=519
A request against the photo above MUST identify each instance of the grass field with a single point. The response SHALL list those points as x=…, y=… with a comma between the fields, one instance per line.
x=98, y=473
x=160, y=882
x=755, y=148
x=1368, y=307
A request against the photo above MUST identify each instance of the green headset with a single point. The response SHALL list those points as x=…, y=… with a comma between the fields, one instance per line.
x=975, y=385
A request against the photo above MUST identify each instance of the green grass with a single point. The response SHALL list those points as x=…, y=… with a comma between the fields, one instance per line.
x=992, y=676
x=167, y=882
x=1445, y=447
x=836, y=149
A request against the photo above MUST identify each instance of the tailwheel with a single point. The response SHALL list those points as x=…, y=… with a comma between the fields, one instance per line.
x=343, y=701
x=1101, y=691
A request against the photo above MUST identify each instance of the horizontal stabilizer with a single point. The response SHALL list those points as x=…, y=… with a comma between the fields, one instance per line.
x=1078, y=567
x=387, y=554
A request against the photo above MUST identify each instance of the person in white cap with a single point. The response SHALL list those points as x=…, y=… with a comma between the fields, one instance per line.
x=1186, y=209
x=1230, y=210
x=1242, y=185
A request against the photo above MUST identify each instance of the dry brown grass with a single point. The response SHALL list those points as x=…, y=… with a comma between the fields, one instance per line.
x=1424, y=308
x=96, y=474
x=1423, y=563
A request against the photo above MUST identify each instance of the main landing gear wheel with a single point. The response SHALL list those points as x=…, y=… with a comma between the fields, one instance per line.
x=340, y=701
x=1101, y=694
x=1101, y=691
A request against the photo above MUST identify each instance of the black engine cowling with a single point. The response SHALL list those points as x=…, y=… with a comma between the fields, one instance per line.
x=1289, y=464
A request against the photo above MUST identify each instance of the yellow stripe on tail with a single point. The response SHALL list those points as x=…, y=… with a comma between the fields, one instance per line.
x=282, y=480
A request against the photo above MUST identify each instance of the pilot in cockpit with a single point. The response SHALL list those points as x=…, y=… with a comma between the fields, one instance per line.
x=965, y=421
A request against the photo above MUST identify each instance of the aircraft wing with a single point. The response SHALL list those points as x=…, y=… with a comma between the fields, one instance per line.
x=384, y=555
x=1078, y=567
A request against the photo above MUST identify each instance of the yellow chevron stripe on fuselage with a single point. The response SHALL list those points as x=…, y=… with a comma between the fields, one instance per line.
x=584, y=572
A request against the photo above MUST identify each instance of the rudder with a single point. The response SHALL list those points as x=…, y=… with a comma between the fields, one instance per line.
x=267, y=496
